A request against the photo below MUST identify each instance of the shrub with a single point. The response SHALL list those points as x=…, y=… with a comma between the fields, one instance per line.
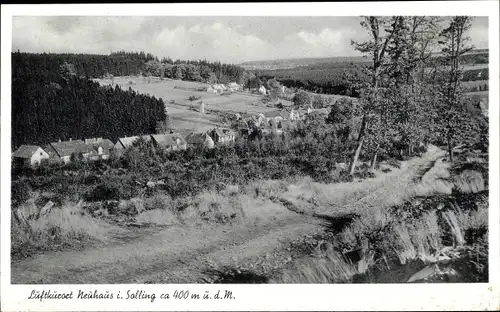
x=113, y=189
x=302, y=99
x=20, y=192
x=104, y=191
x=194, y=98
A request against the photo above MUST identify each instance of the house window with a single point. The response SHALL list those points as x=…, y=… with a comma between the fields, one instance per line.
x=41, y=154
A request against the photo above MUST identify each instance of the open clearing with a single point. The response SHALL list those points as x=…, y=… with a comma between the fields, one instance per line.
x=187, y=254
x=175, y=94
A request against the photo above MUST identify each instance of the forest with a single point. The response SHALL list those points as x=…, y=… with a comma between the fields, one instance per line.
x=335, y=77
x=128, y=64
x=47, y=107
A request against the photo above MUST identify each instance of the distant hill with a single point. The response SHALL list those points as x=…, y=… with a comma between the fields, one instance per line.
x=302, y=62
x=299, y=62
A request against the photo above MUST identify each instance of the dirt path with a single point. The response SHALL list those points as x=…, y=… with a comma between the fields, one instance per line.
x=182, y=254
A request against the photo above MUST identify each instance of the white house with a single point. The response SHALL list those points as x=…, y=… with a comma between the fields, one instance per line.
x=102, y=148
x=29, y=155
x=123, y=143
x=171, y=141
x=262, y=90
x=198, y=139
x=62, y=151
x=294, y=115
x=222, y=135
x=233, y=86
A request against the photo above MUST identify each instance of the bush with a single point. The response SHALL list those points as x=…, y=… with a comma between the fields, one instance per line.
x=194, y=98
x=302, y=99
x=20, y=192
x=117, y=189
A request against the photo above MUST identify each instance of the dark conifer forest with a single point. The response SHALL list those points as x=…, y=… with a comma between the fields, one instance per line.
x=52, y=99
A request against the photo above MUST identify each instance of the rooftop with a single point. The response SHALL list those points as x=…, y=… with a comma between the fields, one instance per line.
x=67, y=148
x=25, y=151
x=168, y=139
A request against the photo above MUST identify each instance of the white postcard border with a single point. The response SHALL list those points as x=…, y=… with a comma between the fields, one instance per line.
x=395, y=297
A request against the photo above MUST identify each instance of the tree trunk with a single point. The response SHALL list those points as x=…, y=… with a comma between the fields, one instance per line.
x=374, y=159
x=450, y=150
x=361, y=139
x=352, y=167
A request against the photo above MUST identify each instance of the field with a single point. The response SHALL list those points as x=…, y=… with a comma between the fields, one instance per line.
x=183, y=113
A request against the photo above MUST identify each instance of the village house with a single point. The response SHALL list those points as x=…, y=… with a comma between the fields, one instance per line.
x=294, y=115
x=102, y=148
x=216, y=88
x=170, y=141
x=317, y=113
x=242, y=127
x=123, y=143
x=199, y=140
x=274, y=118
x=63, y=151
x=222, y=135
x=211, y=90
x=29, y=156
x=262, y=90
x=233, y=86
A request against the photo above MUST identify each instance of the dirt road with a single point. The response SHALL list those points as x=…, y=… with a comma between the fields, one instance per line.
x=182, y=254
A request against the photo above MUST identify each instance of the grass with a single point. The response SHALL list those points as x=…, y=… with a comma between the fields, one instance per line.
x=162, y=217
x=441, y=237
x=396, y=245
x=61, y=227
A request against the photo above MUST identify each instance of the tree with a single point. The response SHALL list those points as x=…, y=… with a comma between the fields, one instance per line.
x=67, y=70
x=301, y=100
x=405, y=115
x=341, y=116
x=321, y=101
x=274, y=89
x=376, y=47
x=450, y=105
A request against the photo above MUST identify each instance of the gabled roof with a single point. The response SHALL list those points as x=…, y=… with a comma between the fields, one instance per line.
x=168, y=139
x=276, y=113
x=221, y=132
x=25, y=151
x=319, y=111
x=67, y=148
x=197, y=138
x=104, y=143
x=128, y=141
x=242, y=124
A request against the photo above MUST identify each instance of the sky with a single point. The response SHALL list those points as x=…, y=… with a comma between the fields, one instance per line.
x=228, y=39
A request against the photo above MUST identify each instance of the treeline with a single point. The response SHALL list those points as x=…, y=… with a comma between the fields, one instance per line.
x=87, y=65
x=47, y=107
x=320, y=78
x=330, y=78
x=128, y=64
x=202, y=71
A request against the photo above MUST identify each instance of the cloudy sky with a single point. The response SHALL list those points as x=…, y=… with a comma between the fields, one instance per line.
x=229, y=39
